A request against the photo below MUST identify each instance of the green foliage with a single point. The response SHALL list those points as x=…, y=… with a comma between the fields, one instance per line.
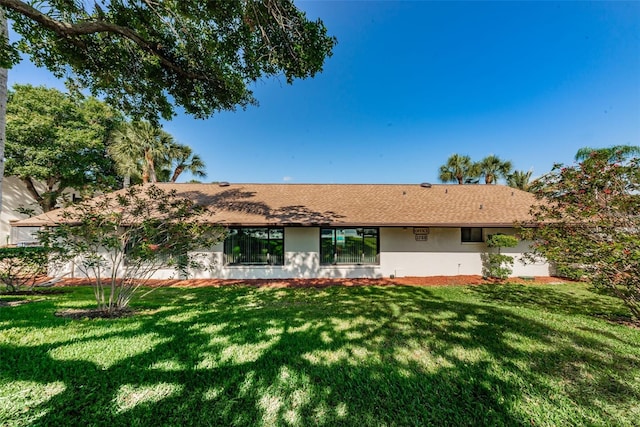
x=567, y=271
x=463, y=170
x=507, y=355
x=502, y=241
x=120, y=240
x=493, y=167
x=59, y=140
x=498, y=265
x=588, y=219
x=144, y=56
x=21, y=267
x=145, y=153
x=458, y=169
x=520, y=180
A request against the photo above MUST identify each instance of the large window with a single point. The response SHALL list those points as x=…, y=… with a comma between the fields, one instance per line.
x=349, y=246
x=471, y=235
x=254, y=246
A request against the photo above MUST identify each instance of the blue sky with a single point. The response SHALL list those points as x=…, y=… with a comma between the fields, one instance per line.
x=411, y=83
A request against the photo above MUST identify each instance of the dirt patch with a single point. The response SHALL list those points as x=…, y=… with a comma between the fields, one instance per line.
x=18, y=302
x=95, y=313
x=321, y=283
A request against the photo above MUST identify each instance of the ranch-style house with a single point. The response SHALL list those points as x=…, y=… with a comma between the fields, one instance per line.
x=349, y=230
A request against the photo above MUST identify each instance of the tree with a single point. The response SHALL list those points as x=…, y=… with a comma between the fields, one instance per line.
x=613, y=152
x=180, y=158
x=140, y=144
x=519, y=179
x=56, y=139
x=589, y=220
x=21, y=267
x=499, y=265
x=142, y=57
x=144, y=152
x=458, y=168
x=121, y=239
x=493, y=168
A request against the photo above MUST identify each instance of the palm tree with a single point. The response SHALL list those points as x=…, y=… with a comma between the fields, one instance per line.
x=492, y=168
x=520, y=179
x=613, y=152
x=181, y=158
x=137, y=147
x=458, y=168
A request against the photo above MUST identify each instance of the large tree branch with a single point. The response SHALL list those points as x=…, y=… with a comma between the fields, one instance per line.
x=71, y=30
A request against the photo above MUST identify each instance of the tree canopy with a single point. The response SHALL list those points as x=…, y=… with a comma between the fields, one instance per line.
x=144, y=56
x=493, y=167
x=145, y=153
x=590, y=221
x=458, y=169
x=59, y=140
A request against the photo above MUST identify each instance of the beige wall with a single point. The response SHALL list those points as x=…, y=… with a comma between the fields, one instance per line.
x=442, y=254
x=400, y=255
x=14, y=196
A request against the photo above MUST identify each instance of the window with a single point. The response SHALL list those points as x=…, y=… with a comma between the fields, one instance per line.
x=254, y=246
x=471, y=235
x=349, y=246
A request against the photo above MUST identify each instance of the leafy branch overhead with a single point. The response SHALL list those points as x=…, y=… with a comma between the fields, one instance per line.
x=144, y=56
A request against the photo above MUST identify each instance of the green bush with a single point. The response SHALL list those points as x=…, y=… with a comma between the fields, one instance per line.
x=567, y=271
x=21, y=267
x=498, y=265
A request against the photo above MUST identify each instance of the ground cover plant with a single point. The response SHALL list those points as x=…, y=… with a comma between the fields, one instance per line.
x=371, y=355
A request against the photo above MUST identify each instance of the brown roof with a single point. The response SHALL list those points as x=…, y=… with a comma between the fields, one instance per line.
x=442, y=205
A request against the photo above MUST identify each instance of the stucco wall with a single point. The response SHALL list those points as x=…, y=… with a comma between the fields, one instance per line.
x=442, y=254
x=14, y=196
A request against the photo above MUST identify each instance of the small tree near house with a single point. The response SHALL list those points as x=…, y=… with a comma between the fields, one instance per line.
x=21, y=267
x=498, y=265
x=590, y=220
x=120, y=240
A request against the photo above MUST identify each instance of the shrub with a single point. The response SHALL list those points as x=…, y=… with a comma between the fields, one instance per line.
x=498, y=265
x=120, y=240
x=21, y=267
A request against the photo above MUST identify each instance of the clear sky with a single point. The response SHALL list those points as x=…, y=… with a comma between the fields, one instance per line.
x=411, y=83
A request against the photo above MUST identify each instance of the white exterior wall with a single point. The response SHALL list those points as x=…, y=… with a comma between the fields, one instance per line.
x=442, y=254
x=14, y=196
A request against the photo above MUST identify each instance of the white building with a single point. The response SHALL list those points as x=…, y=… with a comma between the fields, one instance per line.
x=351, y=231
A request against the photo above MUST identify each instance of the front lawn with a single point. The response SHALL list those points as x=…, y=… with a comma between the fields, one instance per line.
x=364, y=356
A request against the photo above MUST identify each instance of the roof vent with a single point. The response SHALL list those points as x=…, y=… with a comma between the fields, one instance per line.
x=425, y=185
x=223, y=184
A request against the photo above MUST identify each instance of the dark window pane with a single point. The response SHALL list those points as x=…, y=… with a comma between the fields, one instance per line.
x=349, y=246
x=263, y=246
x=471, y=234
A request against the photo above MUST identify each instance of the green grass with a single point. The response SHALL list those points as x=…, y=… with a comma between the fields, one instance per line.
x=364, y=356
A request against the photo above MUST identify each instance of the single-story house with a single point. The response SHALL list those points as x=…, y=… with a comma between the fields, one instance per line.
x=352, y=230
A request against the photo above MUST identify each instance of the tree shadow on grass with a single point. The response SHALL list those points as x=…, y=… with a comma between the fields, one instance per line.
x=549, y=299
x=333, y=356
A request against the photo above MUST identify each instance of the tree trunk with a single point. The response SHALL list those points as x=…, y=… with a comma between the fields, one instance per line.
x=3, y=102
x=176, y=173
x=31, y=188
x=151, y=167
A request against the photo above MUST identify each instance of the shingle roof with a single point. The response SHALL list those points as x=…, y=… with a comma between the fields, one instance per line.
x=442, y=205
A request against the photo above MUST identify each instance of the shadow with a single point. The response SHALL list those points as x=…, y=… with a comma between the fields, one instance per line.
x=327, y=356
x=301, y=215
x=240, y=201
x=549, y=299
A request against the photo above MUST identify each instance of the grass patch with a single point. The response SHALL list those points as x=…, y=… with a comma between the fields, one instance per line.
x=481, y=355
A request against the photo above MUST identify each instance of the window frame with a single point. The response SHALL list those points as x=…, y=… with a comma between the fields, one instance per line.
x=335, y=262
x=227, y=255
x=470, y=241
